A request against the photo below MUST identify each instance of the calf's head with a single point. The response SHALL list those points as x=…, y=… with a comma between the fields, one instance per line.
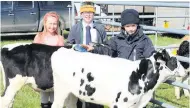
x=153, y=71
x=184, y=51
x=168, y=63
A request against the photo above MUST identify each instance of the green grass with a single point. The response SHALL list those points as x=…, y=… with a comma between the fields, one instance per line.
x=165, y=93
x=28, y=98
x=14, y=41
x=164, y=41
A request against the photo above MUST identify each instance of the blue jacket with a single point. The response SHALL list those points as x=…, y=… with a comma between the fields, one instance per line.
x=75, y=35
x=133, y=47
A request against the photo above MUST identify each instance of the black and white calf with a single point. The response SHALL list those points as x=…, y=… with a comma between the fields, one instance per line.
x=23, y=64
x=183, y=51
x=95, y=78
x=115, y=82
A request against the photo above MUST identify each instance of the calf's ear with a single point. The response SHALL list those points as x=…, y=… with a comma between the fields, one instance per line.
x=161, y=56
x=165, y=55
x=158, y=56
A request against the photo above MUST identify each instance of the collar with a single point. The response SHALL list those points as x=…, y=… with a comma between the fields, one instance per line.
x=85, y=24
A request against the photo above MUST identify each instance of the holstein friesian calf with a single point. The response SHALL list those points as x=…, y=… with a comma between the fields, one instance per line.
x=115, y=82
x=26, y=64
x=183, y=51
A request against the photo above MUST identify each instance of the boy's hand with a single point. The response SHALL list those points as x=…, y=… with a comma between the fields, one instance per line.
x=87, y=47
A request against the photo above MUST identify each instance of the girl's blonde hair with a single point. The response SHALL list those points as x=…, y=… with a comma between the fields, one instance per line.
x=52, y=14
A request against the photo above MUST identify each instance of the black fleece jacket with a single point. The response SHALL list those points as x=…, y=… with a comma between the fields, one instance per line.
x=132, y=47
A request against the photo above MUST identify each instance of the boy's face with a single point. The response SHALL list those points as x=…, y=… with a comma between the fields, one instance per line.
x=87, y=17
x=130, y=28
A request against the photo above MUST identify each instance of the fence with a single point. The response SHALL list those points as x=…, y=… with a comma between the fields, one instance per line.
x=152, y=28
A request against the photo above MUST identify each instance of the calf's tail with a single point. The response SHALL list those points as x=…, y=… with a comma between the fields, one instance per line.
x=3, y=76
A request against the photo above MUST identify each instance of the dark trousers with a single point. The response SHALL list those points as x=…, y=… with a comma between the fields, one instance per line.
x=88, y=105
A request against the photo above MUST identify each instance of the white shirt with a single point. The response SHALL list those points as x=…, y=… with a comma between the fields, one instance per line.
x=93, y=32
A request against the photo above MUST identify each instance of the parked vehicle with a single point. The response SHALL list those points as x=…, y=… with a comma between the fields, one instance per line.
x=26, y=17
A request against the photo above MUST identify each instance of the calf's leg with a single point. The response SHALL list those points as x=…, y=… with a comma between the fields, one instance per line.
x=71, y=101
x=15, y=84
x=177, y=89
x=186, y=81
x=60, y=93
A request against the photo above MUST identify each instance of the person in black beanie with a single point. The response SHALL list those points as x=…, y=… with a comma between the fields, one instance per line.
x=131, y=43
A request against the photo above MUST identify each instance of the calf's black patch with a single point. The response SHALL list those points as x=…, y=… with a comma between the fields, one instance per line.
x=133, y=86
x=125, y=99
x=90, y=90
x=84, y=93
x=151, y=76
x=80, y=92
x=115, y=106
x=82, y=70
x=89, y=77
x=73, y=73
x=118, y=96
x=145, y=71
x=81, y=82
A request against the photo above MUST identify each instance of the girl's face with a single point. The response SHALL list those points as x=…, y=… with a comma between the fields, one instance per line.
x=87, y=17
x=130, y=28
x=51, y=24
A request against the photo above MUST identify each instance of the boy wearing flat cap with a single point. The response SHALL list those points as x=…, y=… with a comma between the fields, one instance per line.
x=131, y=43
x=87, y=31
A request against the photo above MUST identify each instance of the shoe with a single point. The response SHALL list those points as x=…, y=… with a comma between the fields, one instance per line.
x=46, y=105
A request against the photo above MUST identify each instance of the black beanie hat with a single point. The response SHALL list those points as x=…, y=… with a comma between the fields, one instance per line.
x=129, y=16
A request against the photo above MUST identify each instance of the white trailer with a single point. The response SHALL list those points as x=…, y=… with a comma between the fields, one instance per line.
x=167, y=17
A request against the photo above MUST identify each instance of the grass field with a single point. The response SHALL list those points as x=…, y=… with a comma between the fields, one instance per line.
x=28, y=98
